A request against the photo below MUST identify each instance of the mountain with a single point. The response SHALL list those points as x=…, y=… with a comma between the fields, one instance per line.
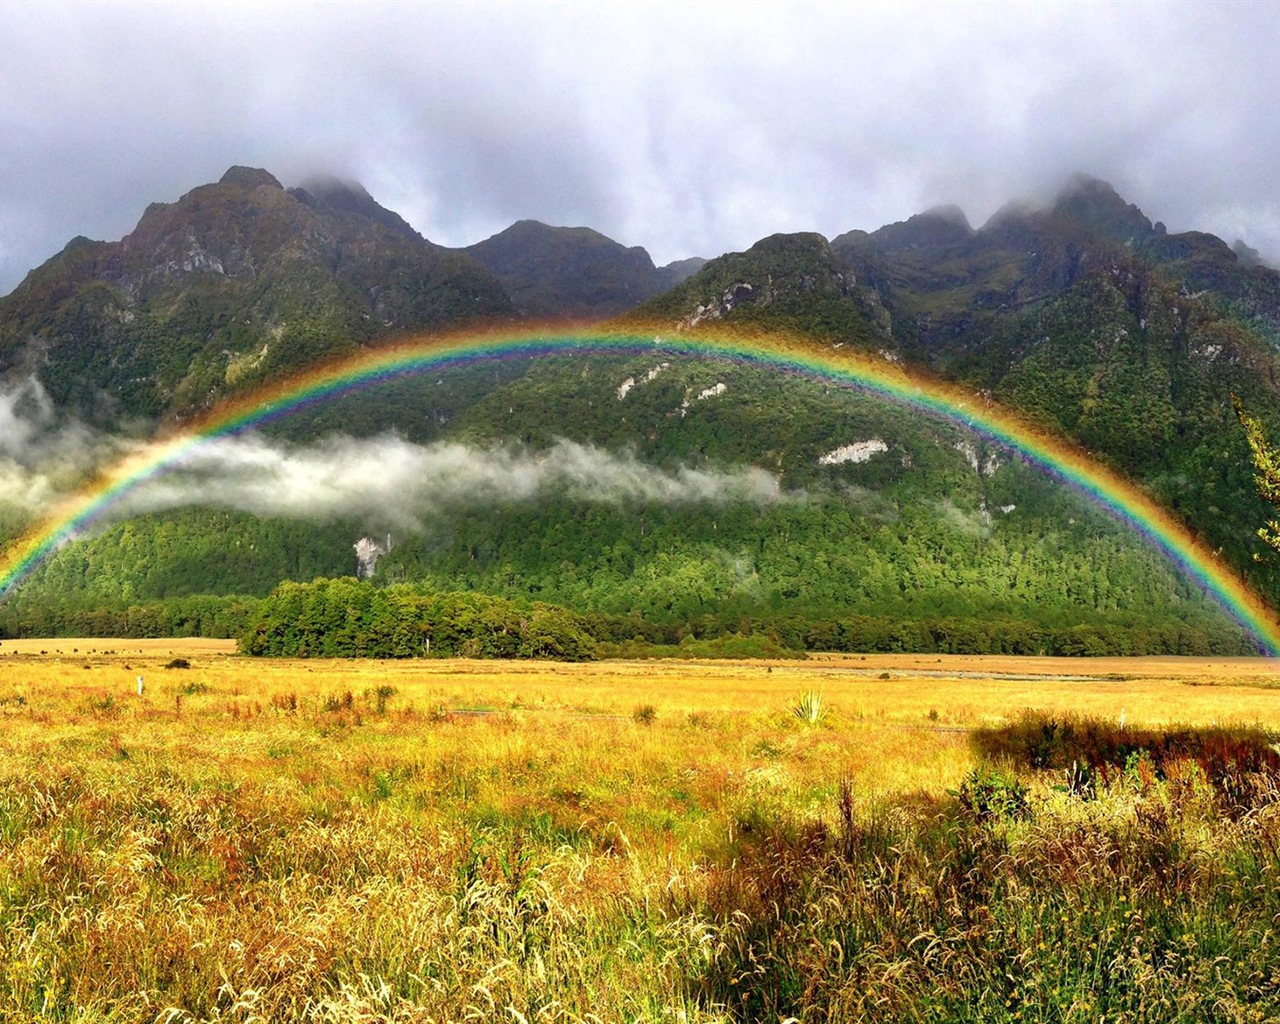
x=1082, y=314
x=573, y=273
x=795, y=282
x=233, y=283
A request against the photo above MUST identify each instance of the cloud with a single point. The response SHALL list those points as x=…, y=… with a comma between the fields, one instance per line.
x=689, y=128
x=385, y=481
x=41, y=459
x=390, y=482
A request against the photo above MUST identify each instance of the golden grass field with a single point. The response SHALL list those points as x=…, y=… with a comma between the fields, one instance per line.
x=963, y=690
x=448, y=840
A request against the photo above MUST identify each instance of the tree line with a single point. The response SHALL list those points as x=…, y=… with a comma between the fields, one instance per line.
x=355, y=618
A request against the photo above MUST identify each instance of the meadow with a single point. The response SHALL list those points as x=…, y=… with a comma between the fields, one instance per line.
x=837, y=839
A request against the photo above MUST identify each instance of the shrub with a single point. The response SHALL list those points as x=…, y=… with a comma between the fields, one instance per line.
x=1038, y=740
x=990, y=793
x=810, y=708
x=285, y=702
x=342, y=702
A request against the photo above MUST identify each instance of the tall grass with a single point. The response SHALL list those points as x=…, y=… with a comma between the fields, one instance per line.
x=318, y=846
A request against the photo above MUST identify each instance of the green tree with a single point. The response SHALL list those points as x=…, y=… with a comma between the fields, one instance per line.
x=1266, y=465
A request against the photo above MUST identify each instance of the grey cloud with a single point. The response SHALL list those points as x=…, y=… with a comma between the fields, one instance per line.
x=40, y=460
x=686, y=128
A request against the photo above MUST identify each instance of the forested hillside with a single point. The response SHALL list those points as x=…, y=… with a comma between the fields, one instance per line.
x=874, y=512
x=1084, y=316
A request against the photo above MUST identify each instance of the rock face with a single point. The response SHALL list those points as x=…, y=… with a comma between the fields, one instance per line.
x=858, y=451
x=368, y=551
x=234, y=281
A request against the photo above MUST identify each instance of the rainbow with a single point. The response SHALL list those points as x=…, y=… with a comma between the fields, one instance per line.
x=874, y=376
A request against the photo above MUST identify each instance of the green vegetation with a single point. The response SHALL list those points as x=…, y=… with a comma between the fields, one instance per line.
x=348, y=619
x=204, y=615
x=795, y=283
x=1266, y=462
x=1152, y=901
x=1085, y=317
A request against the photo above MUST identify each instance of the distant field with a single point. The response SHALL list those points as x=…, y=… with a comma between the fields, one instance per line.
x=962, y=690
x=655, y=841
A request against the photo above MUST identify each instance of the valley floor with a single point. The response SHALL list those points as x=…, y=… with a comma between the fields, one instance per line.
x=656, y=841
x=963, y=690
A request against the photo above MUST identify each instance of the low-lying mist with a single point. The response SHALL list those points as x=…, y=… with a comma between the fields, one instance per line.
x=392, y=482
x=385, y=481
x=42, y=460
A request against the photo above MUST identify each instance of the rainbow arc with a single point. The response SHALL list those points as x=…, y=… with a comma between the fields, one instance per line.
x=880, y=377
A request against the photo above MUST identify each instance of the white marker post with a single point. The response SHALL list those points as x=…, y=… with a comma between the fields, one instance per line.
x=139, y=686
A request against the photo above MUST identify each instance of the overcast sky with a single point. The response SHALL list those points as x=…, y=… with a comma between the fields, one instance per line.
x=690, y=129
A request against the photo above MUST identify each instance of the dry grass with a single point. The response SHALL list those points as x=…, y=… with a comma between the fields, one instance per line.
x=342, y=841
x=964, y=691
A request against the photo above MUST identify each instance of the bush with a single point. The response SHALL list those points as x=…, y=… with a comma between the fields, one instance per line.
x=810, y=708
x=991, y=793
x=1225, y=754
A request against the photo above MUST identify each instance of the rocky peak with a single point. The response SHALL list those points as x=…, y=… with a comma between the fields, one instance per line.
x=562, y=271
x=786, y=271
x=527, y=237
x=340, y=196
x=249, y=177
x=941, y=225
x=1095, y=205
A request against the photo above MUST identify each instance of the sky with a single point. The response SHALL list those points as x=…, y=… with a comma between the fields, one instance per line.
x=688, y=128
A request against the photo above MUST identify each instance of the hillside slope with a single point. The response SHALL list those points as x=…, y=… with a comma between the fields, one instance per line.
x=1083, y=315
x=875, y=513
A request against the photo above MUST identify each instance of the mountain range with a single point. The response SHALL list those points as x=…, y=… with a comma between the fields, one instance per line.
x=1081, y=314
x=242, y=279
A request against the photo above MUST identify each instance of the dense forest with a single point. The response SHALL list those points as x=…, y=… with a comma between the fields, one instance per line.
x=350, y=618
